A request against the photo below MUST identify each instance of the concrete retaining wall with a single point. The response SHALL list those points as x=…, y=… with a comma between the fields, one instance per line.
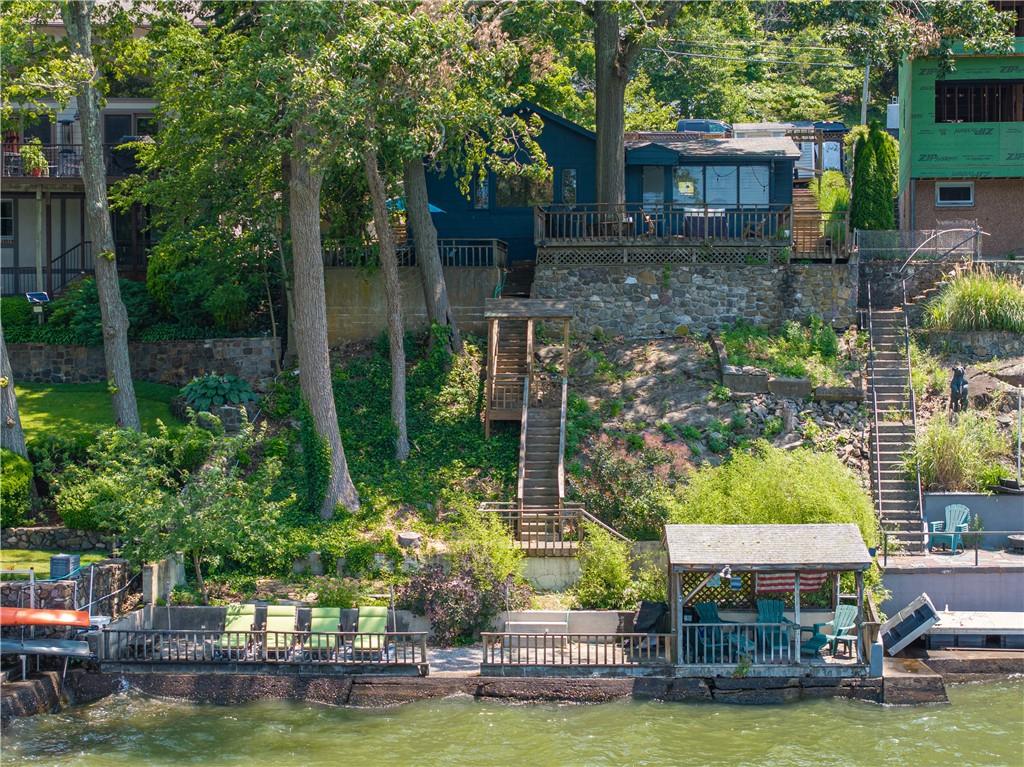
x=168, y=362
x=356, y=305
x=997, y=589
x=667, y=299
x=997, y=512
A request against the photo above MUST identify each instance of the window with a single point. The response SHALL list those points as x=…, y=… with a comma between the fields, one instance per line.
x=482, y=194
x=990, y=101
x=1015, y=6
x=40, y=129
x=688, y=184
x=958, y=194
x=522, y=191
x=116, y=127
x=145, y=125
x=7, y=219
x=720, y=184
x=569, y=186
x=754, y=185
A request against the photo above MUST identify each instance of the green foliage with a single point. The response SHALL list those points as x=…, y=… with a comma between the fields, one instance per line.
x=767, y=485
x=212, y=391
x=337, y=592
x=772, y=427
x=622, y=491
x=605, y=578
x=962, y=456
x=833, y=196
x=720, y=393
x=484, y=577
x=580, y=422
x=875, y=178
x=316, y=461
x=978, y=301
x=15, y=489
x=927, y=375
x=802, y=350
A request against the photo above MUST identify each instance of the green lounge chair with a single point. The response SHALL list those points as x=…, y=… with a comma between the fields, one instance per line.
x=949, y=531
x=324, y=625
x=843, y=624
x=773, y=611
x=372, y=620
x=707, y=612
x=279, y=631
x=237, y=618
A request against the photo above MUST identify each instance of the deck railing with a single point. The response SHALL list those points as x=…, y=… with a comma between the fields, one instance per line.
x=65, y=161
x=731, y=644
x=453, y=252
x=546, y=531
x=661, y=223
x=576, y=650
x=157, y=646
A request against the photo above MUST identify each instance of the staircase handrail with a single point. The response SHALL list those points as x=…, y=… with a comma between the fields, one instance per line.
x=83, y=250
x=586, y=516
x=913, y=398
x=522, y=436
x=561, y=440
x=874, y=405
x=975, y=232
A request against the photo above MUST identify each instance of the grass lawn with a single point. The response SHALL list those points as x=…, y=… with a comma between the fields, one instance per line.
x=74, y=408
x=39, y=560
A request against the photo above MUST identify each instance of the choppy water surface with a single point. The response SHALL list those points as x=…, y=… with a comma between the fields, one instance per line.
x=983, y=726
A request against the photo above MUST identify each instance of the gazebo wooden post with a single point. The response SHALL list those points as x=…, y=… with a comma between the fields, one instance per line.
x=836, y=585
x=859, y=576
x=796, y=613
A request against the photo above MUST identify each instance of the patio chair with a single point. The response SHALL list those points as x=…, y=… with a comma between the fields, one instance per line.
x=239, y=618
x=843, y=624
x=322, y=641
x=949, y=532
x=707, y=612
x=372, y=621
x=279, y=631
x=773, y=611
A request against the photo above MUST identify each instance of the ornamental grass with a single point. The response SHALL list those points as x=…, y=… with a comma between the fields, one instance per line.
x=978, y=301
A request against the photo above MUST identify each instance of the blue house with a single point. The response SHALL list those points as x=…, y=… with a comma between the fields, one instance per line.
x=683, y=192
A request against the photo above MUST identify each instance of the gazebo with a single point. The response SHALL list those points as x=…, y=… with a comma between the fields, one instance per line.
x=778, y=589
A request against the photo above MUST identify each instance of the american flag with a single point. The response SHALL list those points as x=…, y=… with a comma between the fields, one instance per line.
x=774, y=583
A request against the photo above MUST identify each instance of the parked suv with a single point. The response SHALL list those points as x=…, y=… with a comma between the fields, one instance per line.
x=703, y=126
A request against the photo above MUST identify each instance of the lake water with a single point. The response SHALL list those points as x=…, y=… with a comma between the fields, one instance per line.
x=984, y=726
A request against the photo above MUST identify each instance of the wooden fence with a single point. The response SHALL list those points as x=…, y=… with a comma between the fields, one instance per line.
x=576, y=650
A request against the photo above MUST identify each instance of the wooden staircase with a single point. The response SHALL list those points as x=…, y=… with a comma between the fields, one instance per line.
x=807, y=236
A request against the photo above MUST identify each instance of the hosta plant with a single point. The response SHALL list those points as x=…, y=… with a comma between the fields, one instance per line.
x=211, y=391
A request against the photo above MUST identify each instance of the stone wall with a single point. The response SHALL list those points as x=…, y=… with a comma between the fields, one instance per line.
x=977, y=344
x=646, y=300
x=109, y=595
x=55, y=539
x=167, y=362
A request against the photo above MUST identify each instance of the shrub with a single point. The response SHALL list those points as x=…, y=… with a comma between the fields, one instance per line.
x=804, y=350
x=875, y=178
x=622, y=491
x=605, y=577
x=962, y=456
x=767, y=485
x=15, y=489
x=337, y=592
x=927, y=375
x=978, y=301
x=212, y=391
x=484, y=576
x=833, y=196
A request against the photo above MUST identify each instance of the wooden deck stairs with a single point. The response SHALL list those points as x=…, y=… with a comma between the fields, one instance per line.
x=807, y=234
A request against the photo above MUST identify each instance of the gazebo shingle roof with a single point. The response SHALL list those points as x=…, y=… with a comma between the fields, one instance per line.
x=832, y=547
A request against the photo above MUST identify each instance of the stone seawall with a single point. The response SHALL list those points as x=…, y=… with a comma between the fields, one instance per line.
x=167, y=362
x=977, y=344
x=645, y=300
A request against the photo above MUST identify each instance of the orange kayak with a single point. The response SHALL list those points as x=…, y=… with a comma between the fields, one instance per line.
x=25, y=616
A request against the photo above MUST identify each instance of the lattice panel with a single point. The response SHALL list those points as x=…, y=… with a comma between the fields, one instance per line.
x=746, y=598
x=709, y=254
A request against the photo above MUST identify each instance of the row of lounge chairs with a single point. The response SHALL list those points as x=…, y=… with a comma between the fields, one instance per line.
x=280, y=637
x=772, y=612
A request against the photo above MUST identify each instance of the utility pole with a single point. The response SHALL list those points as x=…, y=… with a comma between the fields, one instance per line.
x=865, y=94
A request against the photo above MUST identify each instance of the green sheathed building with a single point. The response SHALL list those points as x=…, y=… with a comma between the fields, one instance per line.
x=962, y=145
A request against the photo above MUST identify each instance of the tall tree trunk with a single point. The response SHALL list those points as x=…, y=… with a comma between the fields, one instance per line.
x=612, y=75
x=200, y=583
x=393, y=299
x=283, y=237
x=310, y=323
x=114, y=318
x=435, y=291
x=11, y=436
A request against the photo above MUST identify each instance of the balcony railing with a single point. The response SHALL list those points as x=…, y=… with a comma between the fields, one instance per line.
x=65, y=161
x=661, y=224
x=453, y=252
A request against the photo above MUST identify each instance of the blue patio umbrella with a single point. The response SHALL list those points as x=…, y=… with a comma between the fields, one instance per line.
x=398, y=204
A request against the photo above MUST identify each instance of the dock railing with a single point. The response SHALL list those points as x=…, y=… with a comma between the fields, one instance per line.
x=732, y=644
x=576, y=650
x=156, y=646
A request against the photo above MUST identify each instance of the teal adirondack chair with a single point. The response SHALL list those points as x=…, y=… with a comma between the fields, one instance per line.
x=708, y=613
x=843, y=624
x=773, y=611
x=949, y=532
